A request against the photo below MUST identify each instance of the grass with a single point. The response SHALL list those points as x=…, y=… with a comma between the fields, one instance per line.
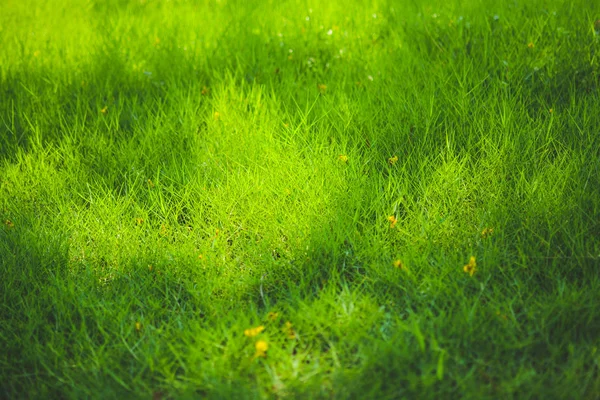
x=173, y=174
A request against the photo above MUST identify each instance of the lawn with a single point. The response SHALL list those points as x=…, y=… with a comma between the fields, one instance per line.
x=300, y=199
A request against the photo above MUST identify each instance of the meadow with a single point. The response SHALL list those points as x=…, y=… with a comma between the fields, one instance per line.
x=300, y=199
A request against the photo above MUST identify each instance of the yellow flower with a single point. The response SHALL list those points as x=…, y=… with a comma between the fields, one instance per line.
x=393, y=160
x=164, y=230
x=289, y=331
x=487, y=232
x=9, y=224
x=261, y=348
x=139, y=221
x=530, y=45
x=392, y=220
x=272, y=316
x=104, y=110
x=471, y=267
x=216, y=116
x=322, y=87
x=254, y=331
x=398, y=264
x=343, y=158
x=138, y=326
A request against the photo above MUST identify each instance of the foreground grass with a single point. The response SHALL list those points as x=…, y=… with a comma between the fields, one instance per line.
x=174, y=174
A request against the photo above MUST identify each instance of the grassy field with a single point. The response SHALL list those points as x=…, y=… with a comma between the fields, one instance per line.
x=300, y=199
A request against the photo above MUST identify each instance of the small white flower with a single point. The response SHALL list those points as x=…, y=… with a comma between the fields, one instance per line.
x=330, y=32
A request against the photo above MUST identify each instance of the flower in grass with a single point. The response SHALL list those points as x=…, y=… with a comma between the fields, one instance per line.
x=551, y=110
x=530, y=45
x=322, y=87
x=150, y=183
x=272, y=316
x=261, y=347
x=9, y=224
x=254, y=331
x=104, y=110
x=343, y=158
x=487, y=232
x=164, y=230
x=216, y=116
x=393, y=220
x=393, y=160
x=471, y=267
x=398, y=264
x=289, y=330
x=138, y=326
x=139, y=221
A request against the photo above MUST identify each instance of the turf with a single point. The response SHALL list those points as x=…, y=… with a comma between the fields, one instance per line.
x=402, y=197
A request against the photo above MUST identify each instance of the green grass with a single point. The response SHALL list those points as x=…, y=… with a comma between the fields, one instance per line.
x=170, y=176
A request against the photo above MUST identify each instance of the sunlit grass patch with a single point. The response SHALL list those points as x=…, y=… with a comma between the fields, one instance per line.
x=267, y=200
